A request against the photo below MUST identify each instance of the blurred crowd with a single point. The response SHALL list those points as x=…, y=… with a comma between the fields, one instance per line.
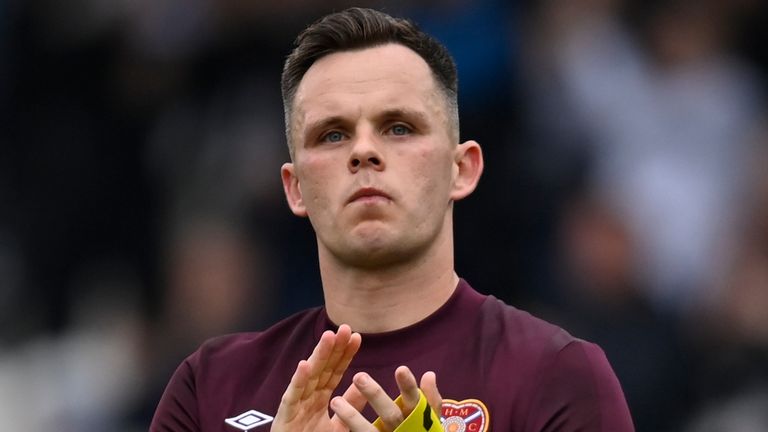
x=625, y=195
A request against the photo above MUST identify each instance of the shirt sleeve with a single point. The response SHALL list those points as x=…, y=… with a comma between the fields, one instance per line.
x=578, y=391
x=177, y=410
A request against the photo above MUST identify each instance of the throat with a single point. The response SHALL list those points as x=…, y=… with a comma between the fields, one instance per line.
x=376, y=306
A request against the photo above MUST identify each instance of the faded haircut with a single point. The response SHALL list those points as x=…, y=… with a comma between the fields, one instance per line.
x=360, y=28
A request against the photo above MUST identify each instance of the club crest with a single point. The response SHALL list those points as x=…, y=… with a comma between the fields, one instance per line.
x=469, y=415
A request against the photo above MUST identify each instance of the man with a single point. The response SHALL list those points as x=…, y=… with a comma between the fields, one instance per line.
x=372, y=128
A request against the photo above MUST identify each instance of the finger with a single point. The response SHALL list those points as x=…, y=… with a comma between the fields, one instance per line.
x=318, y=360
x=409, y=390
x=355, y=398
x=389, y=413
x=351, y=417
x=290, y=400
x=337, y=352
x=341, y=366
x=429, y=387
x=319, y=357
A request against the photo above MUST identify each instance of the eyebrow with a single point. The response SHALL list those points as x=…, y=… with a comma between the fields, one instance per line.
x=419, y=116
x=323, y=123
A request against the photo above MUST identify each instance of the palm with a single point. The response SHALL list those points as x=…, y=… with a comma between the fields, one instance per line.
x=311, y=414
x=304, y=406
x=314, y=420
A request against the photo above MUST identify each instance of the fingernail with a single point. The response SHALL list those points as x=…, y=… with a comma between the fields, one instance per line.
x=362, y=379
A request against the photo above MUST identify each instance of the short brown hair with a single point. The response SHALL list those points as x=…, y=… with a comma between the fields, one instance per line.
x=359, y=28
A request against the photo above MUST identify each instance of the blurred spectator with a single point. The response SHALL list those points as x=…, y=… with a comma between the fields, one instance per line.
x=83, y=379
x=219, y=282
x=661, y=115
x=732, y=338
x=746, y=413
x=646, y=105
x=602, y=301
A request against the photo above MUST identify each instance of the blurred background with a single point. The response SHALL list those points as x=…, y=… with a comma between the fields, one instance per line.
x=625, y=195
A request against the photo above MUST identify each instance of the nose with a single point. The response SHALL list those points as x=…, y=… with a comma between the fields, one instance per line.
x=365, y=154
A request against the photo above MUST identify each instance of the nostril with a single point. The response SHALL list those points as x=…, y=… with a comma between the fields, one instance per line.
x=374, y=160
x=355, y=162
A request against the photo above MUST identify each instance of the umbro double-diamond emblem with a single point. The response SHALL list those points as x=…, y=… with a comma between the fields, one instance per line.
x=249, y=420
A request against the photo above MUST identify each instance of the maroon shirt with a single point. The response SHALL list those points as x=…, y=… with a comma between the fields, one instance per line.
x=504, y=369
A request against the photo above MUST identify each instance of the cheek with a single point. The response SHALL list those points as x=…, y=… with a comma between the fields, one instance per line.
x=433, y=173
x=315, y=181
x=438, y=163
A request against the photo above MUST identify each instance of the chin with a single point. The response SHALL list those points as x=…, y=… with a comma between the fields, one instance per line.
x=374, y=260
x=373, y=253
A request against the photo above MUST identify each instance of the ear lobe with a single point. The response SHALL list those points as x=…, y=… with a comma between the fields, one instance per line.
x=467, y=170
x=292, y=190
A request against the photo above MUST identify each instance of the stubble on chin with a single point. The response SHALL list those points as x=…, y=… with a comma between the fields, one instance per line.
x=379, y=249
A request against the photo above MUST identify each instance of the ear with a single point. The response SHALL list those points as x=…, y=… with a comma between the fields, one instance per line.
x=292, y=190
x=468, y=166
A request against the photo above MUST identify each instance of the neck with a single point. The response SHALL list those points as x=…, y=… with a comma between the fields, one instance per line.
x=386, y=299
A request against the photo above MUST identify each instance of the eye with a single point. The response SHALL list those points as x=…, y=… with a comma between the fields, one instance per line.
x=400, y=130
x=333, y=136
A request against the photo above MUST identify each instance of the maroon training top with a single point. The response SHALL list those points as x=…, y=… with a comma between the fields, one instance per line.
x=498, y=369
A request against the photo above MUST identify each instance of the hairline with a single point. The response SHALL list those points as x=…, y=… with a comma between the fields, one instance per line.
x=450, y=98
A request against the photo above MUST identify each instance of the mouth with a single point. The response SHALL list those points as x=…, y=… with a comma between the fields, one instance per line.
x=367, y=195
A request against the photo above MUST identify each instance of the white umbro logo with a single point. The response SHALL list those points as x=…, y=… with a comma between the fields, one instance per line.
x=249, y=420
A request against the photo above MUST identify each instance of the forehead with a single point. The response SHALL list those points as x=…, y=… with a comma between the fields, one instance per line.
x=381, y=77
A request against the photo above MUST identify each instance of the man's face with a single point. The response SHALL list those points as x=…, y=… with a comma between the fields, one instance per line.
x=374, y=163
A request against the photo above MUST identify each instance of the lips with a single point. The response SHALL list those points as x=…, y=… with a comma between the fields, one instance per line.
x=368, y=194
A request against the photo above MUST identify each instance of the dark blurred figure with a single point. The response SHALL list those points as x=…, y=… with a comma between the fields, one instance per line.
x=71, y=168
x=601, y=300
x=731, y=337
